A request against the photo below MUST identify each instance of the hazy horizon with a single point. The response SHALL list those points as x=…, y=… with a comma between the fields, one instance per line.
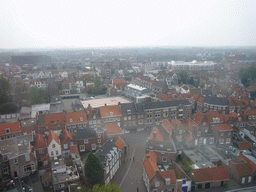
x=105, y=24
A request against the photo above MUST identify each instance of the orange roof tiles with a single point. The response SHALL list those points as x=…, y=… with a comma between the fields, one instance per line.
x=112, y=128
x=244, y=145
x=157, y=133
x=14, y=127
x=224, y=127
x=105, y=110
x=250, y=162
x=243, y=169
x=119, y=81
x=249, y=112
x=76, y=117
x=176, y=122
x=67, y=135
x=52, y=136
x=149, y=164
x=119, y=143
x=53, y=118
x=74, y=149
x=190, y=124
x=200, y=100
x=198, y=117
x=169, y=174
x=164, y=97
x=44, y=156
x=39, y=141
x=167, y=125
x=218, y=173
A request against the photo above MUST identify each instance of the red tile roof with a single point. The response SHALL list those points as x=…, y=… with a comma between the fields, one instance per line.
x=28, y=129
x=200, y=100
x=119, y=143
x=14, y=127
x=176, y=122
x=53, y=119
x=224, y=127
x=244, y=145
x=243, y=169
x=249, y=112
x=167, y=125
x=66, y=135
x=250, y=162
x=105, y=110
x=76, y=117
x=40, y=141
x=52, y=136
x=190, y=125
x=74, y=149
x=112, y=128
x=254, y=103
x=44, y=156
x=169, y=174
x=198, y=117
x=157, y=133
x=119, y=81
x=218, y=173
x=149, y=164
x=164, y=97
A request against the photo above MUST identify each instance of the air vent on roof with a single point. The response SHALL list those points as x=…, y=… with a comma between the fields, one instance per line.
x=169, y=149
x=150, y=147
x=161, y=145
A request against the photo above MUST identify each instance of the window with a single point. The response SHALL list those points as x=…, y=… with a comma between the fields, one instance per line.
x=99, y=140
x=125, y=118
x=129, y=111
x=206, y=129
x=111, y=114
x=27, y=157
x=198, y=133
x=228, y=140
x=53, y=145
x=65, y=146
x=221, y=141
x=81, y=118
x=85, y=141
x=129, y=118
x=5, y=170
x=99, y=135
x=27, y=168
x=57, y=152
x=140, y=121
x=221, y=134
x=243, y=180
x=82, y=148
x=229, y=133
x=70, y=120
x=5, y=157
x=62, y=185
x=211, y=140
x=164, y=159
x=149, y=116
x=249, y=179
x=157, y=184
x=52, y=153
x=15, y=161
x=7, y=130
x=45, y=162
x=93, y=146
x=90, y=122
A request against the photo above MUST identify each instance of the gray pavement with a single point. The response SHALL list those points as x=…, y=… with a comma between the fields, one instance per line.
x=129, y=175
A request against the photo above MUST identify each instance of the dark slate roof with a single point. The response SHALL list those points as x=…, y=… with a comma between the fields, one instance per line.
x=207, y=92
x=161, y=145
x=84, y=134
x=104, y=150
x=216, y=100
x=128, y=106
x=162, y=104
x=140, y=108
x=158, y=84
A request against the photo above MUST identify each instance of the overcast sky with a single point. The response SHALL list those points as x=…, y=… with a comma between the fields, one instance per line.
x=85, y=23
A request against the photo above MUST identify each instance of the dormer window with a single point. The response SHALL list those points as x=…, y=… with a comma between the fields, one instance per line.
x=70, y=120
x=81, y=119
x=129, y=111
x=111, y=114
x=7, y=130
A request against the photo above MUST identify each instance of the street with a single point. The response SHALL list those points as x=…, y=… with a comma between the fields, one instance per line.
x=129, y=175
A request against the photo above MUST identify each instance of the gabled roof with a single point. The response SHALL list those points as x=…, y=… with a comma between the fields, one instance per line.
x=149, y=164
x=156, y=132
x=51, y=119
x=177, y=124
x=112, y=128
x=65, y=136
x=76, y=117
x=119, y=143
x=169, y=174
x=216, y=100
x=81, y=134
x=243, y=169
x=200, y=100
x=105, y=110
x=119, y=81
x=249, y=161
x=224, y=127
x=167, y=125
x=190, y=124
x=218, y=173
x=14, y=127
x=52, y=136
x=244, y=145
x=125, y=107
x=40, y=141
x=198, y=117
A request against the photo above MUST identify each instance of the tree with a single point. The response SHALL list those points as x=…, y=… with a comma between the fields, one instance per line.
x=50, y=91
x=102, y=188
x=36, y=95
x=20, y=90
x=94, y=170
x=183, y=77
x=5, y=89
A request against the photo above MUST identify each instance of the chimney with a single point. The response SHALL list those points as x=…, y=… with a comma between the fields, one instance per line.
x=148, y=156
x=178, y=184
x=105, y=104
x=89, y=105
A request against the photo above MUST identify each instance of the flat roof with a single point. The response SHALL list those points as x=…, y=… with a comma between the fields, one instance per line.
x=95, y=103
